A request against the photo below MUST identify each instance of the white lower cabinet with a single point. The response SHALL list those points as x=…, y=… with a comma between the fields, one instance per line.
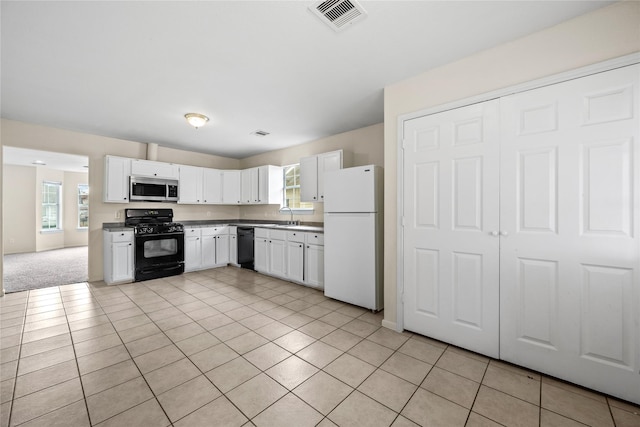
x=118, y=250
x=314, y=260
x=292, y=255
x=270, y=252
x=233, y=245
x=205, y=247
x=295, y=256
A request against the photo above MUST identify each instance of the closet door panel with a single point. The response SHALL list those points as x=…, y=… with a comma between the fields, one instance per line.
x=570, y=250
x=451, y=260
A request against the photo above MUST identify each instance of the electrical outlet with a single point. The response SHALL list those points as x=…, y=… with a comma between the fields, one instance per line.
x=117, y=215
x=12, y=240
x=208, y=213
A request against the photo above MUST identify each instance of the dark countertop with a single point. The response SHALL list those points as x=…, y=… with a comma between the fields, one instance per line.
x=280, y=225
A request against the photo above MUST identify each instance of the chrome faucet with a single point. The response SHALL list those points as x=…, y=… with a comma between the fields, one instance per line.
x=291, y=221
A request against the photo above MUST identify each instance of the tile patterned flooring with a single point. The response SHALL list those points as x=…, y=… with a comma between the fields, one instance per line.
x=230, y=347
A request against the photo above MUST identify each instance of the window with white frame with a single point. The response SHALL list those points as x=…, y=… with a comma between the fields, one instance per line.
x=51, y=210
x=291, y=176
x=83, y=205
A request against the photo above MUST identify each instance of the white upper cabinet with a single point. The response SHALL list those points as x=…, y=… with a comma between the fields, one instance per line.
x=212, y=186
x=262, y=185
x=270, y=185
x=190, y=185
x=312, y=171
x=116, y=182
x=154, y=169
x=231, y=187
x=249, y=186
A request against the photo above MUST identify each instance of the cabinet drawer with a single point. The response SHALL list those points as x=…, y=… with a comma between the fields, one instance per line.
x=262, y=232
x=191, y=232
x=213, y=231
x=121, y=236
x=295, y=236
x=277, y=234
x=315, y=238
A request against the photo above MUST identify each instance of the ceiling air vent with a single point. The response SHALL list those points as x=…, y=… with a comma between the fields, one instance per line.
x=338, y=14
x=260, y=133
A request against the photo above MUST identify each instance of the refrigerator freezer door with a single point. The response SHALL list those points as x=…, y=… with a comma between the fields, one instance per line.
x=351, y=256
x=351, y=190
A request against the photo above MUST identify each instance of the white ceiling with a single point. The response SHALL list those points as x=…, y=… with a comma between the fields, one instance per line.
x=59, y=161
x=131, y=70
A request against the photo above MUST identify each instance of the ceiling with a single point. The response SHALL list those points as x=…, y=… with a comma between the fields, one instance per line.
x=131, y=70
x=50, y=160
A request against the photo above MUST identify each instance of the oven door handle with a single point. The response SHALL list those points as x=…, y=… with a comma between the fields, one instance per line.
x=152, y=270
x=179, y=233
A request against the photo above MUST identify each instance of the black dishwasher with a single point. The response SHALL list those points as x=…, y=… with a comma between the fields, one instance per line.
x=245, y=247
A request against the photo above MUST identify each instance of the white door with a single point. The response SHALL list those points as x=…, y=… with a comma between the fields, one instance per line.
x=295, y=261
x=570, y=194
x=212, y=185
x=327, y=162
x=451, y=248
x=314, y=274
x=222, y=249
x=309, y=179
x=277, y=258
x=190, y=185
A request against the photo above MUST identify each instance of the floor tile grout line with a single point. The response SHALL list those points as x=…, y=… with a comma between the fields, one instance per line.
x=15, y=378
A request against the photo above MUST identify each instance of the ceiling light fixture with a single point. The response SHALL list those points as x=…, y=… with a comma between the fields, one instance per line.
x=196, y=120
x=38, y=162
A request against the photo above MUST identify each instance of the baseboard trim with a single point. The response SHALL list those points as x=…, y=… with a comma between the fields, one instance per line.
x=390, y=325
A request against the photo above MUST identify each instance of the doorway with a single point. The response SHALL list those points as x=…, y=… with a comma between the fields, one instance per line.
x=45, y=219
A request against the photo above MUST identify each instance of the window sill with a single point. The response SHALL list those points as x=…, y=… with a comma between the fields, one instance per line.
x=297, y=211
x=58, y=230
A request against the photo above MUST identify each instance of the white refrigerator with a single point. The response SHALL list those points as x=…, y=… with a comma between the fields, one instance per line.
x=353, y=249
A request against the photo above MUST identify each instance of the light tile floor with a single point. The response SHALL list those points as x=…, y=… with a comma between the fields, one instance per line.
x=230, y=347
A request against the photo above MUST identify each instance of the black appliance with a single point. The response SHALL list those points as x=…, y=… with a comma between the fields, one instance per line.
x=245, y=247
x=159, y=243
x=152, y=190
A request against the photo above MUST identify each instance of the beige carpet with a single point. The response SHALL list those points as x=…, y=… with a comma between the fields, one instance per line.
x=37, y=270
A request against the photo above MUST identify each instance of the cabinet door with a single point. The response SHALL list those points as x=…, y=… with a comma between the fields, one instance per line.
x=154, y=169
x=309, y=179
x=249, y=186
x=314, y=259
x=276, y=258
x=192, y=250
x=327, y=162
x=261, y=245
x=231, y=187
x=209, y=252
x=190, y=185
x=116, y=179
x=122, y=258
x=295, y=261
x=233, y=249
x=212, y=186
x=222, y=249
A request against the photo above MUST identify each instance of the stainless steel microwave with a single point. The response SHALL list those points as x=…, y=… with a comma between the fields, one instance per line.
x=153, y=190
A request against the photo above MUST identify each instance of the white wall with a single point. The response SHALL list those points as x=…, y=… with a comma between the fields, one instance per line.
x=20, y=217
x=604, y=34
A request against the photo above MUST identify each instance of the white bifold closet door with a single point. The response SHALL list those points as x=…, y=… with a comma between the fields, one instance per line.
x=570, y=202
x=451, y=213
x=521, y=229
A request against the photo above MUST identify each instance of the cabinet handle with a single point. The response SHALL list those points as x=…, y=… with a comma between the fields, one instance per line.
x=125, y=198
x=314, y=197
x=300, y=245
x=322, y=197
x=129, y=244
x=494, y=233
x=122, y=234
